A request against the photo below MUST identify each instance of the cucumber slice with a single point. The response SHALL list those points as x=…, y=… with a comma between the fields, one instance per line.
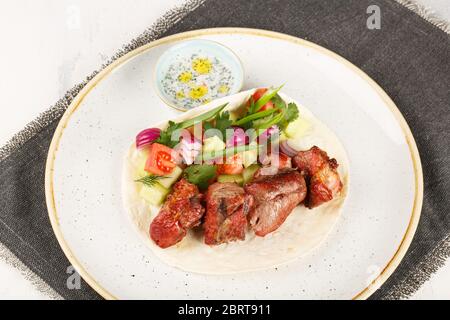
x=297, y=128
x=249, y=172
x=171, y=178
x=213, y=144
x=155, y=194
x=250, y=157
x=139, y=163
x=236, y=178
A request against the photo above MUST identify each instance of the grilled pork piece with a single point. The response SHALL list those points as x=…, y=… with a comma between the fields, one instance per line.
x=320, y=171
x=181, y=211
x=227, y=207
x=275, y=197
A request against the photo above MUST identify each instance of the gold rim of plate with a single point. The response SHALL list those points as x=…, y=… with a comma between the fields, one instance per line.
x=415, y=158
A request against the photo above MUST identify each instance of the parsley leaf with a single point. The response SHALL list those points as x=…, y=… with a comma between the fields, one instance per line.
x=220, y=122
x=278, y=102
x=223, y=122
x=166, y=136
x=200, y=175
x=207, y=126
x=290, y=111
x=290, y=114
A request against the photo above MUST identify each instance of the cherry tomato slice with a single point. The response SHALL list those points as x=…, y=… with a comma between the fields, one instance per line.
x=160, y=160
x=268, y=105
x=233, y=165
x=257, y=95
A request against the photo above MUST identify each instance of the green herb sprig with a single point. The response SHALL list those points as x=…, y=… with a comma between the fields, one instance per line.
x=150, y=180
x=200, y=175
x=221, y=122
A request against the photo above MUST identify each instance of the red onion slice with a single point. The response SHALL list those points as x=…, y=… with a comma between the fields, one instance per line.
x=147, y=136
x=263, y=137
x=189, y=148
x=238, y=138
x=287, y=149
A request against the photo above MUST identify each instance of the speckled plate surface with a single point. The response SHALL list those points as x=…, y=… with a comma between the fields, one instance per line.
x=83, y=185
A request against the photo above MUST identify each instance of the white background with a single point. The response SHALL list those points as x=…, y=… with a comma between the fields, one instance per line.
x=48, y=46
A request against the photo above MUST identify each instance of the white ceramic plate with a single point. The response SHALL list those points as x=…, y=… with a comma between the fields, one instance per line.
x=83, y=178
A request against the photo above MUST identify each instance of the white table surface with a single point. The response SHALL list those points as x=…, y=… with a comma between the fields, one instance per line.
x=53, y=45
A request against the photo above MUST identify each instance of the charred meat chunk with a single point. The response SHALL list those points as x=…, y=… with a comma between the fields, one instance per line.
x=181, y=211
x=227, y=207
x=275, y=198
x=320, y=171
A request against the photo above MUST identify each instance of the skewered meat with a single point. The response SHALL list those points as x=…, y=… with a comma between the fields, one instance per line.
x=275, y=197
x=181, y=211
x=227, y=207
x=320, y=171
